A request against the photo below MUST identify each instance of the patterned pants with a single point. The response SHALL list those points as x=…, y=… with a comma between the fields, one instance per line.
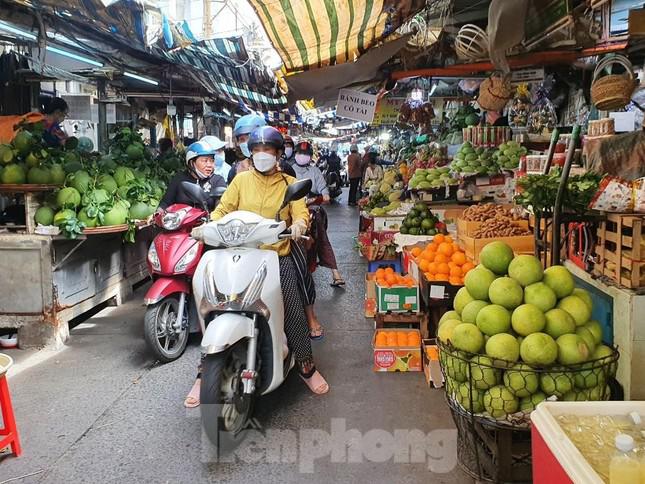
x=295, y=321
x=304, y=278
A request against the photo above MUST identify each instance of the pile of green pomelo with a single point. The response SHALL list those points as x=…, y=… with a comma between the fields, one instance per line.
x=519, y=334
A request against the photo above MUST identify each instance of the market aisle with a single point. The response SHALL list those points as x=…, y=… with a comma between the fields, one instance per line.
x=107, y=414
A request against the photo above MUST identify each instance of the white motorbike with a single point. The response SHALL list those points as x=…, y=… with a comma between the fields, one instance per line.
x=240, y=309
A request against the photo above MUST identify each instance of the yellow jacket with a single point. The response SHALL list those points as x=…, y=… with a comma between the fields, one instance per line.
x=257, y=193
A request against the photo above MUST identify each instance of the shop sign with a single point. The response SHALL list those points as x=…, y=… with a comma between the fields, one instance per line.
x=356, y=105
x=387, y=111
x=528, y=75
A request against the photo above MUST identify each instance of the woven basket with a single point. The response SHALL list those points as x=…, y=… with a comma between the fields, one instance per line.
x=495, y=92
x=471, y=43
x=612, y=91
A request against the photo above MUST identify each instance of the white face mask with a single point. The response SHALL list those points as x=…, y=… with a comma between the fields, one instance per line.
x=302, y=159
x=263, y=162
x=288, y=151
x=244, y=147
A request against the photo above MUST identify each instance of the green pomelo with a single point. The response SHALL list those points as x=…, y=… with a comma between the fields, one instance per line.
x=503, y=346
x=601, y=352
x=90, y=222
x=81, y=181
x=68, y=197
x=471, y=401
x=467, y=337
x=44, y=216
x=577, y=308
x=470, y=312
x=57, y=174
x=521, y=380
x=528, y=319
x=560, y=280
x=528, y=404
x=123, y=175
x=539, y=349
x=462, y=298
x=525, y=269
x=540, y=295
x=559, y=322
x=23, y=142
x=493, y=319
x=445, y=331
x=499, y=402
x=107, y=183
x=588, y=338
x=14, y=174
x=96, y=197
x=483, y=374
x=38, y=176
x=572, y=349
x=115, y=216
x=584, y=295
x=596, y=330
x=496, y=257
x=478, y=281
x=456, y=367
x=449, y=315
x=505, y=292
x=589, y=378
x=556, y=383
x=63, y=216
x=134, y=152
x=140, y=211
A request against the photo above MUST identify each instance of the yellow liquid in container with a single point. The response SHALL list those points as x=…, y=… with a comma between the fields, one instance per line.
x=624, y=470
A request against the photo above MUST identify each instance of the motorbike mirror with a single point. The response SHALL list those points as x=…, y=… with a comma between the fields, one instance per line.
x=219, y=192
x=195, y=193
x=295, y=191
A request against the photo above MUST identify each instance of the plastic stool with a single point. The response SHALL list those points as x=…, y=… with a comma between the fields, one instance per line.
x=9, y=433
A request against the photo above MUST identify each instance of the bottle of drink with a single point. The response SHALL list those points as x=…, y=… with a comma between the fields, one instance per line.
x=624, y=468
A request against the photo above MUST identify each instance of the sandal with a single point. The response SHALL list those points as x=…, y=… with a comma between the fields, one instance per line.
x=191, y=400
x=316, y=383
x=317, y=334
x=338, y=283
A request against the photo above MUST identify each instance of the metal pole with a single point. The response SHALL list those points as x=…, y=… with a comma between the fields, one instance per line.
x=102, y=125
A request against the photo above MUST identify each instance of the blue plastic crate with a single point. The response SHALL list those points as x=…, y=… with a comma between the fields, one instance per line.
x=603, y=310
x=395, y=264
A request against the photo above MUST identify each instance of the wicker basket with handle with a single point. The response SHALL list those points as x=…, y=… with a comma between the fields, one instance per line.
x=471, y=43
x=612, y=91
x=495, y=92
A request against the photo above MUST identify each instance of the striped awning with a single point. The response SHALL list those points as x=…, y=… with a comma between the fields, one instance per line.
x=310, y=34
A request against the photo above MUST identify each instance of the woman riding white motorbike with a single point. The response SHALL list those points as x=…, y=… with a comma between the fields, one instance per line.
x=261, y=191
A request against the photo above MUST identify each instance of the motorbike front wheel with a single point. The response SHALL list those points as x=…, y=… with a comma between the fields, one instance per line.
x=160, y=333
x=225, y=409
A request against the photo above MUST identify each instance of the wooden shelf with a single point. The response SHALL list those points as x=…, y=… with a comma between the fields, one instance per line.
x=543, y=58
x=27, y=188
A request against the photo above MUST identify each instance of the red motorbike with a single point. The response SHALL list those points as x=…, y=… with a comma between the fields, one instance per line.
x=172, y=259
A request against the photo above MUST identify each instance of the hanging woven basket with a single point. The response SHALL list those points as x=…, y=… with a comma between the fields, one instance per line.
x=612, y=91
x=495, y=92
x=471, y=43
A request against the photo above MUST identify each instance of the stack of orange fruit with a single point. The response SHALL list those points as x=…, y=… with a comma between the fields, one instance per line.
x=388, y=278
x=398, y=338
x=443, y=260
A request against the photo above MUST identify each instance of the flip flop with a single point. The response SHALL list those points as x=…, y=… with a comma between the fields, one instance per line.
x=316, y=383
x=317, y=334
x=338, y=283
x=192, y=401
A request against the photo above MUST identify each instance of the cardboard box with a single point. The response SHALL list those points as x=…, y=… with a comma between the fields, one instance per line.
x=396, y=358
x=466, y=228
x=397, y=299
x=370, y=295
x=523, y=244
x=431, y=366
x=389, y=223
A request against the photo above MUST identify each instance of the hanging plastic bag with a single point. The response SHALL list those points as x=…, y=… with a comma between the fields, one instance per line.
x=542, y=118
x=520, y=107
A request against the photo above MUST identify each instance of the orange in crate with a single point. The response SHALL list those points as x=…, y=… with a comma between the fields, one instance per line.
x=443, y=260
x=397, y=350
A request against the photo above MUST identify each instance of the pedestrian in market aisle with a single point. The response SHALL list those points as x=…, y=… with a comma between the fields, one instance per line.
x=243, y=128
x=374, y=171
x=354, y=172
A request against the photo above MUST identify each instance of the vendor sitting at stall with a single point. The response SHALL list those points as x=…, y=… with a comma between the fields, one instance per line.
x=55, y=110
x=374, y=171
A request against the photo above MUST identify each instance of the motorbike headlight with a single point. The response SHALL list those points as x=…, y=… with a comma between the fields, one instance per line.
x=234, y=302
x=172, y=221
x=235, y=232
x=187, y=258
x=153, y=258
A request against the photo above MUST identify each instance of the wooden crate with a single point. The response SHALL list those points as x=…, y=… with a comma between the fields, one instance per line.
x=523, y=244
x=402, y=320
x=620, y=251
x=466, y=228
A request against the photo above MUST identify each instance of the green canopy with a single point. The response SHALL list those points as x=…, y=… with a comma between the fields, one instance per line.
x=310, y=34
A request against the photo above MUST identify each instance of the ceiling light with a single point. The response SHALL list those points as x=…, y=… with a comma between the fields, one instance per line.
x=140, y=78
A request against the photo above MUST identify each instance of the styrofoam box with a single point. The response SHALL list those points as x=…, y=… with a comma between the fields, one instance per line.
x=556, y=460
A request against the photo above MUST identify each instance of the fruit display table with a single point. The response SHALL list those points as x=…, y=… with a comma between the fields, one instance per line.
x=50, y=280
x=32, y=195
x=628, y=332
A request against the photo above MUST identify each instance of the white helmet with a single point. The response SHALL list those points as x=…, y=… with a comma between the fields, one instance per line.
x=216, y=143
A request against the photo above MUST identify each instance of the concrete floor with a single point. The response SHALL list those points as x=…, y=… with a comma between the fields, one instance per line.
x=102, y=411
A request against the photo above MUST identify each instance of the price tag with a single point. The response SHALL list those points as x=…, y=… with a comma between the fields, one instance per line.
x=393, y=298
x=437, y=292
x=411, y=300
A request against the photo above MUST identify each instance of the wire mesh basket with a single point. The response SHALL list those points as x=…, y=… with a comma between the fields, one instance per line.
x=505, y=393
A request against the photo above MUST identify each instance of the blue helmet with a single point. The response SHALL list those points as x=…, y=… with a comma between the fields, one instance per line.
x=246, y=124
x=266, y=135
x=199, y=148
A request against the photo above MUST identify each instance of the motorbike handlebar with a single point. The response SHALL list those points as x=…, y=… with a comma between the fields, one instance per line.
x=287, y=235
